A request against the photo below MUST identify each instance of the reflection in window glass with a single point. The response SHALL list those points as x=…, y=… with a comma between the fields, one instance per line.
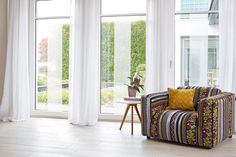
x=192, y=61
x=197, y=42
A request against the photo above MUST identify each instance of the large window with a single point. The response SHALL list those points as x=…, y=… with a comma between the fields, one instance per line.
x=52, y=54
x=191, y=57
x=123, y=47
x=197, y=42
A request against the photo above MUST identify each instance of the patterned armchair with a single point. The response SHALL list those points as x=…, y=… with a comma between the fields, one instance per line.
x=210, y=123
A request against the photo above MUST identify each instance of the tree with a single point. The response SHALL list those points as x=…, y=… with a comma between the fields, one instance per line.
x=43, y=49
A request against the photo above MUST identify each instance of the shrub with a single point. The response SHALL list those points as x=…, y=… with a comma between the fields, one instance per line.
x=42, y=80
x=107, y=95
x=43, y=96
x=65, y=96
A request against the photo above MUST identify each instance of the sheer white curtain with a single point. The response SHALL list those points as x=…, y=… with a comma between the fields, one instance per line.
x=15, y=105
x=227, y=52
x=84, y=62
x=160, y=45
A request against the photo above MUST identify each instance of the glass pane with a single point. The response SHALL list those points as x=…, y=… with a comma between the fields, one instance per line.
x=123, y=6
x=53, y=8
x=52, y=39
x=197, y=45
x=123, y=54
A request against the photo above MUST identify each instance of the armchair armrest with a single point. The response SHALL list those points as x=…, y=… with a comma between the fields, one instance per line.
x=151, y=106
x=216, y=119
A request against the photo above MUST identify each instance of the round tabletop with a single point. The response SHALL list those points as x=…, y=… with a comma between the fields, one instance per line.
x=128, y=102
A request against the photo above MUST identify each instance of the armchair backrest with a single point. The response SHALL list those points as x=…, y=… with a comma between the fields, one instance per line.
x=201, y=93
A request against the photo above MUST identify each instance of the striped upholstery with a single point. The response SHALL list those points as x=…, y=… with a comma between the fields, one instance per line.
x=152, y=104
x=201, y=93
x=216, y=128
x=178, y=126
x=211, y=123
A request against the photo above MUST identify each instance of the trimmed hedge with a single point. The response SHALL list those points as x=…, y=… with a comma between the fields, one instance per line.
x=65, y=51
x=138, y=45
x=138, y=48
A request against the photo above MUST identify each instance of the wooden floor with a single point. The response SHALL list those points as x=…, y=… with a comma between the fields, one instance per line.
x=57, y=138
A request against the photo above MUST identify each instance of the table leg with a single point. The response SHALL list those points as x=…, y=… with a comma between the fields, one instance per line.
x=126, y=111
x=132, y=120
x=136, y=108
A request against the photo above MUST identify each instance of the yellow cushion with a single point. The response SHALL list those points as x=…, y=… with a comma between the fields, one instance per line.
x=181, y=99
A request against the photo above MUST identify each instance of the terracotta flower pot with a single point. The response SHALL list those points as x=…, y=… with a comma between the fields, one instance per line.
x=131, y=91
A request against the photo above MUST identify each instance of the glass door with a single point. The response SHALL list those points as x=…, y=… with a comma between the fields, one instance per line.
x=123, y=49
x=52, y=55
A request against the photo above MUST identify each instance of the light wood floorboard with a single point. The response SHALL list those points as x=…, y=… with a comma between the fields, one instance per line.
x=40, y=137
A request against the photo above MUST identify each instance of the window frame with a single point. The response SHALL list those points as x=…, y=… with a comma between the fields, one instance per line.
x=187, y=38
x=111, y=116
x=33, y=61
x=211, y=12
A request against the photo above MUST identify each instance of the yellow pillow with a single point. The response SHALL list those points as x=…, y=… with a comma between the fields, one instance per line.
x=181, y=99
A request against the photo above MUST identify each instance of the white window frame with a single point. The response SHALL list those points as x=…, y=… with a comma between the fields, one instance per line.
x=110, y=116
x=32, y=62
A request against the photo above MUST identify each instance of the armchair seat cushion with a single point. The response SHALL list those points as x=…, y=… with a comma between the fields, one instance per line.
x=178, y=126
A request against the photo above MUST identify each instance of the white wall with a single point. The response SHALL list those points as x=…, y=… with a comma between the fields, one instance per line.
x=3, y=41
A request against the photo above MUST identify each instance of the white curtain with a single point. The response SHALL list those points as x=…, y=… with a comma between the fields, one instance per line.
x=84, y=63
x=227, y=49
x=15, y=105
x=160, y=45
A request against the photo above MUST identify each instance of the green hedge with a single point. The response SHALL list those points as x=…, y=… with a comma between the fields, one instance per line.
x=138, y=48
x=107, y=54
x=138, y=45
x=65, y=51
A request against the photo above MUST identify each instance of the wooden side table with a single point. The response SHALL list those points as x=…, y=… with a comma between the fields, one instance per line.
x=133, y=105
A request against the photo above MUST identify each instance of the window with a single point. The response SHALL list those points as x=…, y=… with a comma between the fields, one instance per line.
x=197, y=42
x=52, y=29
x=123, y=47
x=191, y=60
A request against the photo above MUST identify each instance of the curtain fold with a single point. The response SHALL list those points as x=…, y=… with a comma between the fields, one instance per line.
x=15, y=105
x=84, y=62
x=160, y=45
x=227, y=47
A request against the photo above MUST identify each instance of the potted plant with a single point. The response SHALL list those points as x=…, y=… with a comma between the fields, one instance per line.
x=135, y=85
